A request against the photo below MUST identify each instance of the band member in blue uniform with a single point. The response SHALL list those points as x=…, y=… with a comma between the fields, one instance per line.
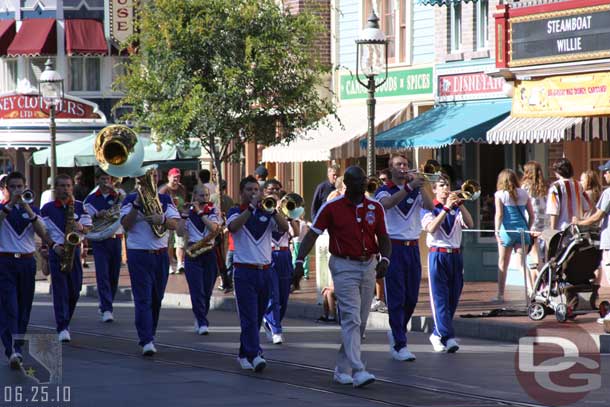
x=282, y=271
x=403, y=199
x=18, y=223
x=103, y=205
x=201, y=222
x=251, y=226
x=147, y=260
x=66, y=285
x=444, y=225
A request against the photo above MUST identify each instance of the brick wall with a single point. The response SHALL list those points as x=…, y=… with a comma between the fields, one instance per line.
x=468, y=50
x=320, y=8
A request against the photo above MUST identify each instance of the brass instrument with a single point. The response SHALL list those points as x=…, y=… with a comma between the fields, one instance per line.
x=119, y=151
x=291, y=205
x=269, y=203
x=147, y=191
x=470, y=190
x=71, y=240
x=373, y=183
x=204, y=245
x=28, y=196
x=104, y=228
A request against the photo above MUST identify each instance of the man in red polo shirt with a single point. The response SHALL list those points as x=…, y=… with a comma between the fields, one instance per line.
x=357, y=230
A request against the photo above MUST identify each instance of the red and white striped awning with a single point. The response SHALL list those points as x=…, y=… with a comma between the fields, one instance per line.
x=549, y=129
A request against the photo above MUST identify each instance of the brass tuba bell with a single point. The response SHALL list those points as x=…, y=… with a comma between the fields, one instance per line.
x=470, y=190
x=119, y=151
x=291, y=205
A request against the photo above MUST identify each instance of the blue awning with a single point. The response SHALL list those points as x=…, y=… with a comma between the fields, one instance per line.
x=445, y=125
x=441, y=2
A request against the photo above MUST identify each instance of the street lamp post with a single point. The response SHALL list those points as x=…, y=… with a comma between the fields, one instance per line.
x=51, y=88
x=371, y=60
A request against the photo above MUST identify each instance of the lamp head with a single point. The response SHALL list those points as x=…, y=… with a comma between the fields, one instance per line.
x=372, y=46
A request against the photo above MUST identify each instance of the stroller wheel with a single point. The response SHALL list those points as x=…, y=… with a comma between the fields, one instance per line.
x=561, y=313
x=604, y=309
x=536, y=311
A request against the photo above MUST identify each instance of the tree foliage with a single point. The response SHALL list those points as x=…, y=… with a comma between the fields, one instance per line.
x=225, y=72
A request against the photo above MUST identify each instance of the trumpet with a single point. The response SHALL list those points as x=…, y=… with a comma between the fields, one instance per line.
x=28, y=196
x=372, y=184
x=427, y=176
x=291, y=206
x=469, y=191
x=269, y=203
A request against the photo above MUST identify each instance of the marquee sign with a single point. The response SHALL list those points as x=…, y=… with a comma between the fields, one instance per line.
x=15, y=106
x=122, y=20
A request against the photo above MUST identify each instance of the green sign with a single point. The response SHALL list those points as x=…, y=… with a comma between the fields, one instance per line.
x=400, y=83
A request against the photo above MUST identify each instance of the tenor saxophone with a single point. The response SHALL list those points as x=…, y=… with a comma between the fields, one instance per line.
x=71, y=240
x=147, y=191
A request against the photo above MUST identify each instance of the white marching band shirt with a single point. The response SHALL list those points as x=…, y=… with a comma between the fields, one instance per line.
x=96, y=201
x=449, y=233
x=53, y=215
x=403, y=220
x=196, y=229
x=17, y=233
x=253, y=240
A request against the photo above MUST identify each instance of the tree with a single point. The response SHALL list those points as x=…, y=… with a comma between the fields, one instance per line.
x=226, y=72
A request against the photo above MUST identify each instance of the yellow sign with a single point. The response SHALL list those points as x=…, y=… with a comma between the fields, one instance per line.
x=567, y=96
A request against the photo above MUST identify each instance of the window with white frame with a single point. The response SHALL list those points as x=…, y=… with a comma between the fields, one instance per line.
x=8, y=75
x=455, y=27
x=482, y=24
x=85, y=74
x=34, y=67
x=393, y=22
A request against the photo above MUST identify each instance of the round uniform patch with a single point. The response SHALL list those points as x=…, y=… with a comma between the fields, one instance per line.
x=110, y=202
x=371, y=206
x=24, y=215
x=370, y=217
x=452, y=213
x=410, y=201
x=263, y=219
x=75, y=216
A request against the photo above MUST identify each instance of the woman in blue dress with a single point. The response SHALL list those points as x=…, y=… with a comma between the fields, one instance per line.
x=512, y=202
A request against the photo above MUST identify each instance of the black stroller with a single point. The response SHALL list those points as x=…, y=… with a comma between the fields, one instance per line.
x=568, y=276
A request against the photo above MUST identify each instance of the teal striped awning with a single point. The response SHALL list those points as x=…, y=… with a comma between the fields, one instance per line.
x=441, y=2
x=444, y=125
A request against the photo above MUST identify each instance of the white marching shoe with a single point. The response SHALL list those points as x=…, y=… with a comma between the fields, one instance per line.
x=64, y=336
x=245, y=364
x=403, y=355
x=437, y=345
x=342, y=378
x=259, y=364
x=362, y=378
x=107, y=316
x=452, y=345
x=203, y=330
x=277, y=339
x=149, y=349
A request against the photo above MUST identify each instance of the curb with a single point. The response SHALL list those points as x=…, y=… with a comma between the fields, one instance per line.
x=470, y=328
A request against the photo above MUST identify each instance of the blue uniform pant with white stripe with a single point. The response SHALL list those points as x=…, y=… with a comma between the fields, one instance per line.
x=280, y=289
x=402, y=290
x=17, y=284
x=107, y=257
x=446, y=282
x=252, y=291
x=66, y=288
x=148, y=273
x=201, y=273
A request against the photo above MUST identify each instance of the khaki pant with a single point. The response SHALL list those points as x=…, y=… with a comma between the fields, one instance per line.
x=354, y=288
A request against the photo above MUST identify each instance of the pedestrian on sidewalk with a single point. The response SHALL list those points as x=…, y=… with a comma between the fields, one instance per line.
x=17, y=265
x=66, y=286
x=147, y=261
x=534, y=184
x=512, y=205
x=358, y=235
x=251, y=225
x=200, y=222
x=403, y=198
x=566, y=198
x=444, y=225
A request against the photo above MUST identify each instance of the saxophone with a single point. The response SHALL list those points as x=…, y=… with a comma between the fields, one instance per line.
x=204, y=245
x=71, y=240
x=147, y=191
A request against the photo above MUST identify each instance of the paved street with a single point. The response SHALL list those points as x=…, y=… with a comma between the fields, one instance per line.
x=103, y=367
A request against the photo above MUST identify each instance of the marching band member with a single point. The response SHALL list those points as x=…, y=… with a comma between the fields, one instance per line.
x=251, y=227
x=18, y=224
x=66, y=279
x=200, y=222
x=444, y=225
x=282, y=271
x=147, y=259
x=106, y=253
x=357, y=230
x=403, y=198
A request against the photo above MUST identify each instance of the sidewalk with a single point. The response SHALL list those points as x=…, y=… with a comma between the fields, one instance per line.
x=303, y=304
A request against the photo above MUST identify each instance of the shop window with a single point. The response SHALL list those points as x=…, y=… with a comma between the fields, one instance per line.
x=491, y=162
x=84, y=74
x=35, y=66
x=6, y=165
x=8, y=75
x=393, y=22
x=455, y=27
x=599, y=153
x=482, y=24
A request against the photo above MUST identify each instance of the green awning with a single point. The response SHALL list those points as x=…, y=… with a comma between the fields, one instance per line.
x=445, y=125
x=79, y=153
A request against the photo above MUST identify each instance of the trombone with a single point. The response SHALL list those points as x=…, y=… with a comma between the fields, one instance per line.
x=469, y=191
x=291, y=205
